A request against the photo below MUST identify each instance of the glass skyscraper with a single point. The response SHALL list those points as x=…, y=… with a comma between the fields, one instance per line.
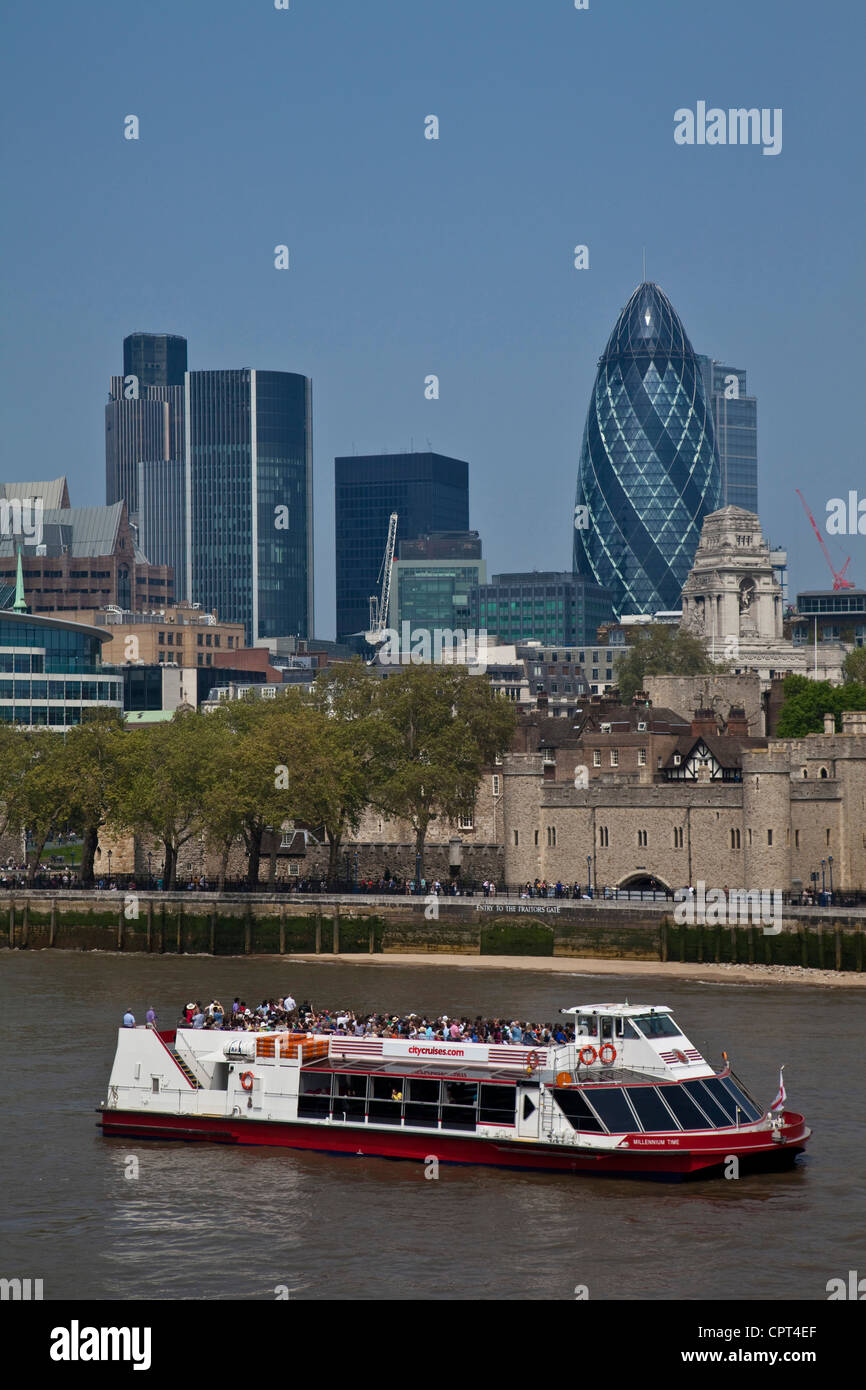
x=429, y=492
x=649, y=467
x=144, y=417
x=248, y=498
x=735, y=419
x=550, y=607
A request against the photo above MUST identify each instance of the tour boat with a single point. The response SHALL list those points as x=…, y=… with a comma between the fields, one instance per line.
x=629, y=1096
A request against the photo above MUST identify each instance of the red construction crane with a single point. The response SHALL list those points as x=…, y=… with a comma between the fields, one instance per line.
x=839, y=580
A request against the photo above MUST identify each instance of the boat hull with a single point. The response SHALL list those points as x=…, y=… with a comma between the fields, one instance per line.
x=677, y=1156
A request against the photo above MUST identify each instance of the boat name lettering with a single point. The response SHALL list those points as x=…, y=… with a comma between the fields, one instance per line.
x=436, y=1052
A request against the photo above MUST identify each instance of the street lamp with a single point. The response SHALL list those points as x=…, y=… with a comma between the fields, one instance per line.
x=109, y=868
x=589, y=875
x=356, y=871
x=823, y=885
x=830, y=862
x=417, y=873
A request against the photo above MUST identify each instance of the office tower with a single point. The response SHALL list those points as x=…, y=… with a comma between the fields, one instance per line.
x=248, y=499
x=649, y=467
x=428, y=491
x=735, y=420
x=162, y=516
x=435, y=582
x=546, y=606
x=144, y=414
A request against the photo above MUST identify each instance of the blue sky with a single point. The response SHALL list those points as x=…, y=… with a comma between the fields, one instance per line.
x=454, y=257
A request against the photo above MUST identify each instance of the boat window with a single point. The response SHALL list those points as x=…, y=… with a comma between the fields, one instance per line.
x=624, y=1029
x=651, y=1109
x=461, y=1093
x=744, y=1101
x=657, y=1026
x=587, y=1026
x=685, y=1109
x=386, y=1102
x=424, y=1089
x=576, y=1110
x=607, y=1028
x=718, y=1116
x=314, y=1098
x=350, y=1096
x=720, y=1096
x=497, y=1105
x=610, y=1104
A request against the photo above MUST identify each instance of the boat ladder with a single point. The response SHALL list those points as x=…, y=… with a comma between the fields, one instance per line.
x=187, y=1071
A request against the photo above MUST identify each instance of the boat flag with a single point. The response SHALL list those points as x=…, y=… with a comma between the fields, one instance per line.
x=782, y=1095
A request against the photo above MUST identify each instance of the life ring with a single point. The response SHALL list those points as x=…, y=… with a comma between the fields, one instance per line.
x=533, y=1061
x=247, y=1080
x=607, y=1047
x=583, y=1059
x=563, y=1078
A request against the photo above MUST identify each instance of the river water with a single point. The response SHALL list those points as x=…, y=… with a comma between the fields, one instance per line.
x=207, y=1221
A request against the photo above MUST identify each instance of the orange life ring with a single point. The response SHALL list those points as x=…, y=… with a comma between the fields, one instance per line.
x=563, y=1078
x=584, y=1061
x=533, y=1061
x=606, y=1047
x=247, y=1080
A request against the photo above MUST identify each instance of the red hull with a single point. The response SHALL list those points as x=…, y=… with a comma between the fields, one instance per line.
x=704, y=1152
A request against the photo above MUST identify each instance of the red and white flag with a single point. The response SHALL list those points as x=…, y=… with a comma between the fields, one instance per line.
x=782, y=1094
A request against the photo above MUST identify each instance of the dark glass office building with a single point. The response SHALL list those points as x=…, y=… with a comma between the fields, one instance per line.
x=162, y=516
x=51, y=671
x=551, y=607
x=144, y=416
x=249, y=500
x=429, y=492
x=649, y=466
x=735, y=420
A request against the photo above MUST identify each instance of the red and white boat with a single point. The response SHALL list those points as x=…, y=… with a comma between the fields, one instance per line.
x=630, y=1096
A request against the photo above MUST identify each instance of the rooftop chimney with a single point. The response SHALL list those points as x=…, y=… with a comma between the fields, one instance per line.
x=829, y=723
x=738, y=724
x=704, y=723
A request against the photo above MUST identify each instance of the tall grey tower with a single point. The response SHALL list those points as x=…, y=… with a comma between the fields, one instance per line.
x=144, y=414
x=735, y=418
x=248, y=499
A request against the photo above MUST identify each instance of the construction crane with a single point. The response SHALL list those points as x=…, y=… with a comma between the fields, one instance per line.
x=839, y=580
x=379, y=603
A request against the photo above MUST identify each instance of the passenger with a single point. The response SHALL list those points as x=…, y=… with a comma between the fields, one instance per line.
x=150, y=1017
x=129, y=1019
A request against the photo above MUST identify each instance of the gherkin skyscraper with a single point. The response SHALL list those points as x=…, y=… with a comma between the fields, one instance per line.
x=649, y=466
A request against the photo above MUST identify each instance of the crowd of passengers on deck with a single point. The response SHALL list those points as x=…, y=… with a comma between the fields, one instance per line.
x=284, y=1013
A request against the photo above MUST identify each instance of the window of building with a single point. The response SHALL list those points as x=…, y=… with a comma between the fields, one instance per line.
x=614, y=757
x=769, y=837
x=678, y=837
x=796, y=839
x=199, y=639
x=642, y=838
x=641, y=757
x=596, y=757
x=517, y=837
x=465, y=822
x=735, y=839
x=828, y=837
x=536, y=837
x=603, y=836
x=496, y=783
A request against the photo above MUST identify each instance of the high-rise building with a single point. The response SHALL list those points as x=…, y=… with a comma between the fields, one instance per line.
x=550, y=607
x=435, y=582
x=162, y=515
x=429, y=492
x=144, y=414
x=248, y=496
x=735, y=420
x=649, y=467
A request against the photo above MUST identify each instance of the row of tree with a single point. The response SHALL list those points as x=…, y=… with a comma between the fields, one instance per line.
x=412, y=746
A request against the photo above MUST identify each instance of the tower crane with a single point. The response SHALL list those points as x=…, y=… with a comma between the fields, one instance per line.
x=839, y=580
x=379, y=603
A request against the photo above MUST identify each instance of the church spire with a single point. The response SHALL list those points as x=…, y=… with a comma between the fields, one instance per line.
x=19, y=606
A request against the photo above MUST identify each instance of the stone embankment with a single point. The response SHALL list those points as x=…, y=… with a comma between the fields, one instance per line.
x=265, y=924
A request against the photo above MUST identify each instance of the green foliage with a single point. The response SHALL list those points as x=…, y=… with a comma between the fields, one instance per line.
x=854, y=667
x=661, y=650
x=807, y=701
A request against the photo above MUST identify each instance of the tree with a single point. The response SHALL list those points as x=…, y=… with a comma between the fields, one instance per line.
x=44, y=790
x=13, y=761
x=434, y=731
x=164, y=777
x=661, y=650
x=807, y=701
x=854, y=667
x=93, y=754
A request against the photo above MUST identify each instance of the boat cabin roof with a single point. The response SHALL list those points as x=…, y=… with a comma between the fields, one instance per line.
x=622, y=1010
